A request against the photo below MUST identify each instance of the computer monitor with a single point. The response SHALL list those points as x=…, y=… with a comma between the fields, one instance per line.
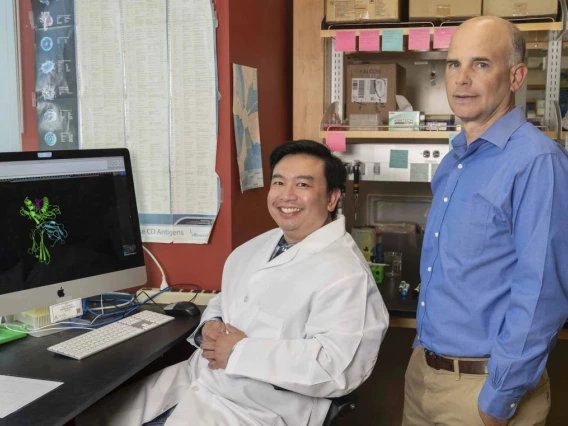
x=68, y=227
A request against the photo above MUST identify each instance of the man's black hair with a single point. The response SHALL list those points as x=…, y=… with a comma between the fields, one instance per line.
x=334, y=170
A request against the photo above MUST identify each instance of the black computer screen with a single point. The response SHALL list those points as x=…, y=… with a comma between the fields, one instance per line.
x=61, y=227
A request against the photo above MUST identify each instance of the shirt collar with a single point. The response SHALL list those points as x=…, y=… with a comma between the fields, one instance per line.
x=498, y=134
x=502, y=130
x=321, y=237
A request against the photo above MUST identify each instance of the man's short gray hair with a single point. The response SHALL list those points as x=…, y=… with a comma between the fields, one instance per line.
x=518, y=45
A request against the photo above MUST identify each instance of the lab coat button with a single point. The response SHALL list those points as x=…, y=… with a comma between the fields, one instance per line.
x=246, y=299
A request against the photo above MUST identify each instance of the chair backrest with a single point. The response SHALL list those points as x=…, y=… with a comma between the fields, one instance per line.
x=340, y=407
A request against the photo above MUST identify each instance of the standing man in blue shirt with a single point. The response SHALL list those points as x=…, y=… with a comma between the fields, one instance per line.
x=494, y=291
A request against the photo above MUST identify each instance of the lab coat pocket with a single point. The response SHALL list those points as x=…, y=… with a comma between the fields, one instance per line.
x=471, y=221
x=265, y=326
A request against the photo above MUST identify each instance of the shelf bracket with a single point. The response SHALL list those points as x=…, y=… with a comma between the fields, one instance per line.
x=553, y=64
x=334, y=77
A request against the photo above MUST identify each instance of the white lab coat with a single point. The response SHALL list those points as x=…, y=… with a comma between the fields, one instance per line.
x=314, y=321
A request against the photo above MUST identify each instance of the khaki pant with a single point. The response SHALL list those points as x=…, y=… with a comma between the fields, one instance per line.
x=445, y=398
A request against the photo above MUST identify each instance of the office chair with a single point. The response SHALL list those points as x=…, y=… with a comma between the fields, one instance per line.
x=340, y=407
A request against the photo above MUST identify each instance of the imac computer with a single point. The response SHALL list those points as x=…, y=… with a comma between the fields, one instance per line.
x=68, y=227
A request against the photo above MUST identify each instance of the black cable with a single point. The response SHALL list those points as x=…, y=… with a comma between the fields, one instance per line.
x=149, y=298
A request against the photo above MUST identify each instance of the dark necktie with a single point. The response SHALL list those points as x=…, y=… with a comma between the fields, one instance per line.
x=281, y=247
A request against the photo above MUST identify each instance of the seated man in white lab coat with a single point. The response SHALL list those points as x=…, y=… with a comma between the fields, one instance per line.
x=299, y=318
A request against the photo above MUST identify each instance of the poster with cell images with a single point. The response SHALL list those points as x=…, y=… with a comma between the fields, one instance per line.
x=147, y=81
x=56, y=74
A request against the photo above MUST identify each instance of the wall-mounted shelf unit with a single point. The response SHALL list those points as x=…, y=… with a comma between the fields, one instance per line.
x=318, y=78
x=537, y=26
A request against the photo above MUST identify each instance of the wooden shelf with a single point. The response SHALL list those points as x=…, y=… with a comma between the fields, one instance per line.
x=541, y=45
x=537, y=26
x=392, y=134
x=386, y=134
x=552, y=135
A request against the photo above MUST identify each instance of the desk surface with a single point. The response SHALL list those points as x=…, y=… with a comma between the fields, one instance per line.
x=86, y=381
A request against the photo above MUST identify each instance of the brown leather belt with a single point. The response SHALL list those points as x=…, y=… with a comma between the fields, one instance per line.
x=466, y=366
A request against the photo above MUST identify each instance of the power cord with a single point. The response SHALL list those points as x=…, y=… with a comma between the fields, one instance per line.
x=164, y=283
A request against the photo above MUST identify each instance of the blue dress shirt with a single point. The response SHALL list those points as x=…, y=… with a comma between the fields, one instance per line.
x=494, y=265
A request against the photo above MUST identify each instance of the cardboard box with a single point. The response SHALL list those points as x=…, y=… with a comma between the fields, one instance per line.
x=372, y=88
x=363, y=10
x=520, y=8
x=436, y=10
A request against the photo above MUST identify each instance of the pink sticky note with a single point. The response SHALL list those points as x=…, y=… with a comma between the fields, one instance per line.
x=442, y=37
x=335, y=141
x=419, y=39
x=370, y=41
x=345, y=41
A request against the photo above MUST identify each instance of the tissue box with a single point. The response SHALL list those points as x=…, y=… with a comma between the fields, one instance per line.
x=372, y=88
x=520, y=8
x=405, y=120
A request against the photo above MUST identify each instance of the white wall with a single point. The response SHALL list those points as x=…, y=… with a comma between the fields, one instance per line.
x=10, y=105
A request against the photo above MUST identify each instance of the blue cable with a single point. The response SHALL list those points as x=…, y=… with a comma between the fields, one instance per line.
x=123, y=313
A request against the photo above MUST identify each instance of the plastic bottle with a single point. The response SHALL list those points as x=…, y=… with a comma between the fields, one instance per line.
x=333, y=122
x=403, y=288
x=333, y=118
x=379, y=256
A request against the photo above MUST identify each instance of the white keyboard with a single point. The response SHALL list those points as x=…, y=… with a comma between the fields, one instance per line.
x=109, y=335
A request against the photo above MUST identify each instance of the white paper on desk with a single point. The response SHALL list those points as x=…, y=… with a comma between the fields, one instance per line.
x=17, y=392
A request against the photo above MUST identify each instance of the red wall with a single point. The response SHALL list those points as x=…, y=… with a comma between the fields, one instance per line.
x=29, y=137
x=261, y=38
x=254, y=33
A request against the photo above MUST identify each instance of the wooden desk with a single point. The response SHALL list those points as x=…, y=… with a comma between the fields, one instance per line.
x=86, y=381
